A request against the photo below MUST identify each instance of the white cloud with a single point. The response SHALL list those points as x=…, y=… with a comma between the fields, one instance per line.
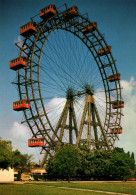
x=19, y=41
x=19, y=135
x=18, y=131
x=128, y=138
x=20, y=44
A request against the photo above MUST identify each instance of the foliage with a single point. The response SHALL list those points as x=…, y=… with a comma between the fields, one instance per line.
x=84, y=164
x=21, y=161
x=9, y=158
x=49, y=168
x=100, y=163
x=121, y=164
x=5, y=153
x=133, y=163
x=86, y=168
x=17, y=176
x=105, y=165
x=39, y=177
x=95, y=164
x=65, y=162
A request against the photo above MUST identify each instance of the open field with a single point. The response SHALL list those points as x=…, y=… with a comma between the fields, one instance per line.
x=64, y=188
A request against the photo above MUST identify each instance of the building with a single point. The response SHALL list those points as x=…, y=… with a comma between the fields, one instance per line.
x=38, y=171
x=6, y=175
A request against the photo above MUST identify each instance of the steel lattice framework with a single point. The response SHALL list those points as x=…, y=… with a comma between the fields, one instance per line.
x=30, y=86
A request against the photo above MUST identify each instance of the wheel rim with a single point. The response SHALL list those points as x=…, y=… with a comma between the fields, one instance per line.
x=34, y=47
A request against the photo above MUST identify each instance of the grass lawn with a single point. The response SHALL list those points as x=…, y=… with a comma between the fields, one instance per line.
x=51, y=188
x=121, y=187
x=32, y=189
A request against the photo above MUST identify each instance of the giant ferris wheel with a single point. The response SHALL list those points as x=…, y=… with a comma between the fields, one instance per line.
x=68, y=83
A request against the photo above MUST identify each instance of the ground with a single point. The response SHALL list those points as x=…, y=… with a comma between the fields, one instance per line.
x=65, y=188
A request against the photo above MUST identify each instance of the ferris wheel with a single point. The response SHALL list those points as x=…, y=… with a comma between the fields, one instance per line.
x=68, y=83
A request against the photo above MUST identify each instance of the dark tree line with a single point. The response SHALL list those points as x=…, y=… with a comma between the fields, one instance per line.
x=14, y=159
x=71, y=162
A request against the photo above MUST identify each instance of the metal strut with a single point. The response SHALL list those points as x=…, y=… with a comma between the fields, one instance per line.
x=91, y=118
x=67, y=113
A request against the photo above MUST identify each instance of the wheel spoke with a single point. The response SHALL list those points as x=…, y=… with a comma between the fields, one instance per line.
x=67, y=82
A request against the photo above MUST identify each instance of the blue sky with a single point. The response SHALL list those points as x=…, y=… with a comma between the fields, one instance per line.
x=116, y=19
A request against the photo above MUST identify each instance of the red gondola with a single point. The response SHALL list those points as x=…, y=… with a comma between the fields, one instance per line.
x=70, y=13
x=36, y=142
x=118, y=104
x=18, y=63
x=114, y=77
x=116, y=130
x=21, y=105
x=90, y=27
x=48, y=11
x=28, y=29
x=105, y=50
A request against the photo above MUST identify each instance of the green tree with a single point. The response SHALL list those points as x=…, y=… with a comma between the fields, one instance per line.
x=104, y=165
x=65, y=162
x=120, y=164
x=100, y=163
x=86, y=170
x=95, y=164
x=5, y=153
x=49, y=169
x=132, y=163
x=70, y=161
x=9, y=158
x=132, y=156
x=21, y=161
